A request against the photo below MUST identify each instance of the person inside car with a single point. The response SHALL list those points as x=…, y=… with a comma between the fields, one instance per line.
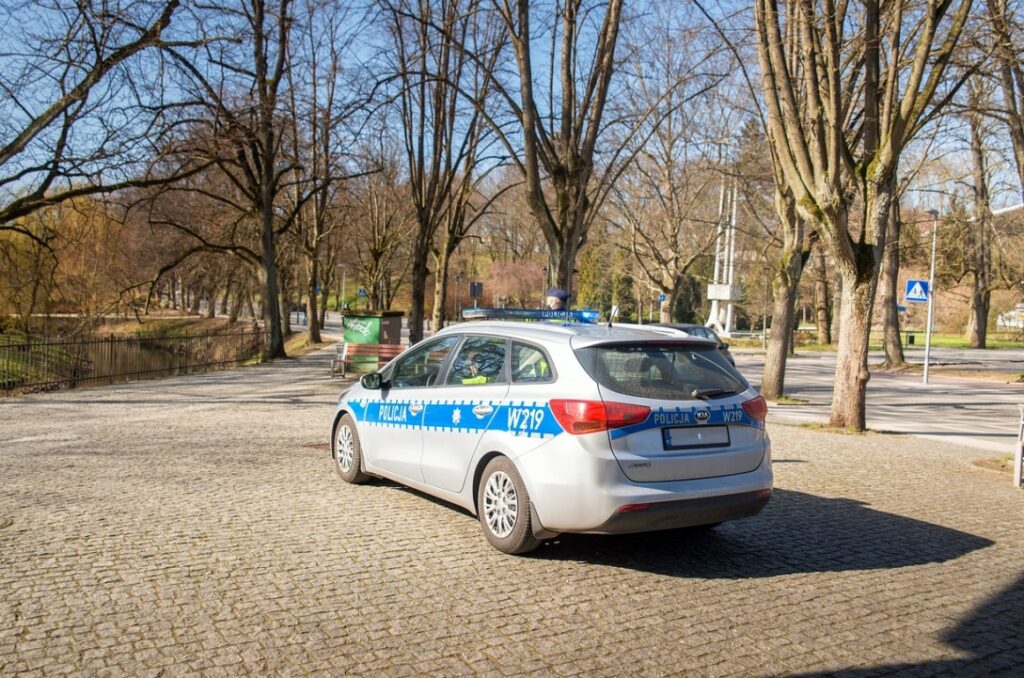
x=557, y=299
x=472, y=372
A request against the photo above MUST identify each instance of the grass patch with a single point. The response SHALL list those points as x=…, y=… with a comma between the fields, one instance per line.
x=790, y=400
x=297, y=344
x=31, y=364
x=160, y=327
x=828, y=428
x=1002, y=463
x=946, y=340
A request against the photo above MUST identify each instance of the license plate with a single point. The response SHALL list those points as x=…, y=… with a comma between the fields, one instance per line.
x=690, y=437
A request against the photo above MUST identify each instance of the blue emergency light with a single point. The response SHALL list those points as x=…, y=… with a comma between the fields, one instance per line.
x=586, y=317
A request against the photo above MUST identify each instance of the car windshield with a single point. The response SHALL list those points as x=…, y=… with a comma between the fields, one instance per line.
x=662, y=371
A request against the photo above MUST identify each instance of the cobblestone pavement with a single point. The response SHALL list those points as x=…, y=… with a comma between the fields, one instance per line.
x=196, y=525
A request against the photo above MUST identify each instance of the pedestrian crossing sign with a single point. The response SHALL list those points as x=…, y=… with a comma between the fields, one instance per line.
x=917, y=290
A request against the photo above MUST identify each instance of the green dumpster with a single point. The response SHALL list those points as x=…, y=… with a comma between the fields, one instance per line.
x=371, y=327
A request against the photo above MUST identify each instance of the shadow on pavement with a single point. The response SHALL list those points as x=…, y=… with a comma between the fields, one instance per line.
x=990, y=636
x=796, y=533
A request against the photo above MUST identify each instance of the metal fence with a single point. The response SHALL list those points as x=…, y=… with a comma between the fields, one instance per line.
x=30, y=365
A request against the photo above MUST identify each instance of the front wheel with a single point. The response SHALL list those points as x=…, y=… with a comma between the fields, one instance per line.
x=503, y=507
x=347, y=452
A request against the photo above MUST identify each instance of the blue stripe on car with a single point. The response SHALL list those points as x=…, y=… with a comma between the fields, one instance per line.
x=687, y=416
x=518, y=418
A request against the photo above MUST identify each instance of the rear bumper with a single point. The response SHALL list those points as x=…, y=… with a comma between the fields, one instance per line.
x=668, y=515
x=574, y=489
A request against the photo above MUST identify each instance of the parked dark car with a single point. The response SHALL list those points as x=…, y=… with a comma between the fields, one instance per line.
x=704, y=332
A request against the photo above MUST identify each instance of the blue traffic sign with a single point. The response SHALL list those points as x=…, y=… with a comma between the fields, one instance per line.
x=662, y=298
x=362, y=292
x=917, y=290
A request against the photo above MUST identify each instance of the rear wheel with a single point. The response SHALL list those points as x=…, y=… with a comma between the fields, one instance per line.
x=503, y=507
x=347, y=452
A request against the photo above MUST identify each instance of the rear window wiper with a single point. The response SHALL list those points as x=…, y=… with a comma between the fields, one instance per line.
x=711, y=393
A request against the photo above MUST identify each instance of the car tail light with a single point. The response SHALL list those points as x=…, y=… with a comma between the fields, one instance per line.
x=590, y=416
x=756, y=408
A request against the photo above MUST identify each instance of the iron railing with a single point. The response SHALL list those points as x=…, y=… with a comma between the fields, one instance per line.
x=29, y=365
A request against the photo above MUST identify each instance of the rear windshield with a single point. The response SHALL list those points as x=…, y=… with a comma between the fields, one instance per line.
x=662, y=371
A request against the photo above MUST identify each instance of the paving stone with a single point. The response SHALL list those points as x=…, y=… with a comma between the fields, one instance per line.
x=191, y=526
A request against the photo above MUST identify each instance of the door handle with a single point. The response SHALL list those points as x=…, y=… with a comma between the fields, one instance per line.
x=415, y=408
x=482, y=410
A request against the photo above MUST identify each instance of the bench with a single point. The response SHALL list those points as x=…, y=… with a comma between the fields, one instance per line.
x=373, y=355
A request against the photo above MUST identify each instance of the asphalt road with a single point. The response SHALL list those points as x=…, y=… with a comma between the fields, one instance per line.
x=973, y=413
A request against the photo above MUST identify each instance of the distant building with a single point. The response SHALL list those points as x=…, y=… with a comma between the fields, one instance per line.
x=1011, y=320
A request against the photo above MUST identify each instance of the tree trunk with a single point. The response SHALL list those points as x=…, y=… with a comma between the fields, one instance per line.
x=324, y=296
x=211, y=303
x=859, y=271
x=271, y=298
x=977, y=326
x=837, y=307
x=785, y=287
x=286, y=315
x=980, y=257
x=419, y=291
x=849, y=393
x=890, y=276
x=822, y=305
x=312, y=306
x=562, y=259
x=440, y=289
x=821, y=295
x=665, y=309
x=241, y=297
x=227, y=296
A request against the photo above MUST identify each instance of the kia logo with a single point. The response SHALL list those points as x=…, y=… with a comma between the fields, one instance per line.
x=703, y=416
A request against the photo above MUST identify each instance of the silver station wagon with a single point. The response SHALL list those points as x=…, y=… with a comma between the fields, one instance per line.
x=541, y=429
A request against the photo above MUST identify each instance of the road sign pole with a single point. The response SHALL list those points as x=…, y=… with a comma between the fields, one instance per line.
x=931, y=296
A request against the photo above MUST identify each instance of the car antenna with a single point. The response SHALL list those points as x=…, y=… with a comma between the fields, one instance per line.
x=613, y=314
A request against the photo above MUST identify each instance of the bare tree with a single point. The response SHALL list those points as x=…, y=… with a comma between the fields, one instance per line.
x=667, y=231
x=865, y=85
x=822, y=308
x=446, y=52
x=238, y=88
x=82, y=112
x=1008, y=33
x=381, y=231
x=559, y=145
x=664, y=200
x=317, y=111
x=789, y=236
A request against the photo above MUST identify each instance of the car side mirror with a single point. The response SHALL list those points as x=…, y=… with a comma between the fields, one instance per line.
x=725, y=345
x=372, y=381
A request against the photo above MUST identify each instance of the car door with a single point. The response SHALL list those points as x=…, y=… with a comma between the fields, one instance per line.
x=461, y=410
x=394, y=431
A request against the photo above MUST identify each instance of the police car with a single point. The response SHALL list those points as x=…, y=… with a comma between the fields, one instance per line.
x=541, y=429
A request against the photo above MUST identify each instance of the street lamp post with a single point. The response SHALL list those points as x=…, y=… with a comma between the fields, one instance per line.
x=931, y=295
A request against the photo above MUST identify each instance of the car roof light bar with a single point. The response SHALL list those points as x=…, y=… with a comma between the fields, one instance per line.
x=584, y=317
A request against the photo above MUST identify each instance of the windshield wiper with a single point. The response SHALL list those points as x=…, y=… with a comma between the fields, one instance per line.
x=711, y=393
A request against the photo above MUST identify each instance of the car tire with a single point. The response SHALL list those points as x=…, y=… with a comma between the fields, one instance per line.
x=347, y=451
x=503, y=507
